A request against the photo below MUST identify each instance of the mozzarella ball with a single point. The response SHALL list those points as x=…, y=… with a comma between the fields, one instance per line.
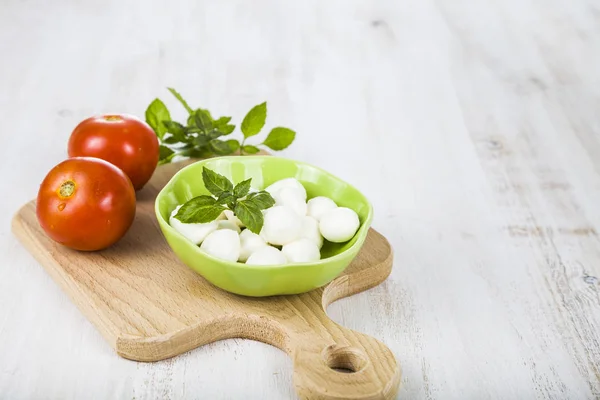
x=301, y=251
x=250, y=242
x=291, y=197
x=339, y=225
x=223, y=243
x=193, y=232
x=227, y=224
x=318, y=206
x=282, y=225
x=263, y=235
x=267, y=255
x=286, y=183
x=233, y=218
x=310, y=230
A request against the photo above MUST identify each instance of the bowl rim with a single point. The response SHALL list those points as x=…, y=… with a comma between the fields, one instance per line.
x=362, y=231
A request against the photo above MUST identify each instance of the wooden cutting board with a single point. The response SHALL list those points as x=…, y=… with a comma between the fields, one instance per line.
x=150, y=306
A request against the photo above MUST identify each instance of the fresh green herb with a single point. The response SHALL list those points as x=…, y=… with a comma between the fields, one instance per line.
x=174, y=128
x=220, y=147
x=200, y=209
x=255, y=120
x=200, y=137
x=215, y=183
x=225, y=198
x=279, y=138
x=222, y=124
x=156, y=114
x=233, y=144
x=242, y=188
x=181, y=100
x=262, y=199
x=250, y=149
x=250, y=215
x=245, y=205
x=166, y=154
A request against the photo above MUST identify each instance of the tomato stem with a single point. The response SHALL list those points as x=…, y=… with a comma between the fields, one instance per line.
x=66, y=189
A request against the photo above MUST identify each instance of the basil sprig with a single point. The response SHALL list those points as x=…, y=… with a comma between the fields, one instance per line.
x=202, y=135
x=224, y=195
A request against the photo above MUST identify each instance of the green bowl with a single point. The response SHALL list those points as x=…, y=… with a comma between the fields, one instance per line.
x=255, y=280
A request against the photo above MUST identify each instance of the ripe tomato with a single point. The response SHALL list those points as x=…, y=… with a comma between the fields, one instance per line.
x=123, y=140
x=85, y=203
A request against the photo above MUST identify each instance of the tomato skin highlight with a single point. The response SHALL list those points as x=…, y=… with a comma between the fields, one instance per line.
x=86, y=203
x=123, y=140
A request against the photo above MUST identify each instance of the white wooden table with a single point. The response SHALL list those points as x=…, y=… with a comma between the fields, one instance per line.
x=474, y=127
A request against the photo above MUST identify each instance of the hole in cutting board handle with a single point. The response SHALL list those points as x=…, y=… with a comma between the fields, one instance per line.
x=344, y=359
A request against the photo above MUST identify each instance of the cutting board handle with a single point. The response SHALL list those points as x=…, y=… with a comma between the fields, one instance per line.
x=356, y=366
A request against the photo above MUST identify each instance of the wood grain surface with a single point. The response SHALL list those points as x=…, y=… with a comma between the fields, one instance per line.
x=473, y=127
x=149, y=306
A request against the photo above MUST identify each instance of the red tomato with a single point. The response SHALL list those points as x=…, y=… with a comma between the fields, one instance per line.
x=123, y=140
x=85, y=203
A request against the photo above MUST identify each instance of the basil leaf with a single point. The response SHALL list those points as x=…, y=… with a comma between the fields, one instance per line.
x=255, y=120
x=202, y=120
x=201, y=140
x=202, y=152
x=221, y=122
x=155, y=114
x=186, y=146
x=250, y=215
x=215, y=133
x=219, y=147
x=181, y=100
x=168, y=158
x=164, y=152
x=223, y=125
x=261, y=200
x=202, y=110
x=191, y=121
x=176, y=130
x=215, y=183
x=279, y=138
x=205, y=111
x=242, y=188
x=171, y=139
x=250, y=149
x=227, y=129
x=201, y=209
x=225, y=198
x=233, y=144
x=174, y=127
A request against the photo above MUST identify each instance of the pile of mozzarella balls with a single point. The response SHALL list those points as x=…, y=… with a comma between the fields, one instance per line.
x=293, y=229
